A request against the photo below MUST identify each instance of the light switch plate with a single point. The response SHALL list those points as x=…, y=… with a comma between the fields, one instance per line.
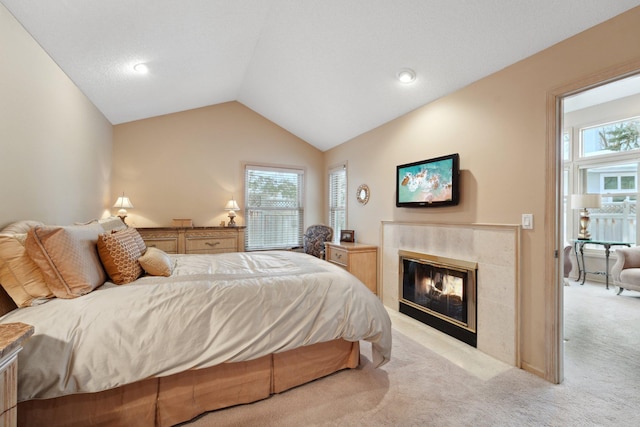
x=527, y=221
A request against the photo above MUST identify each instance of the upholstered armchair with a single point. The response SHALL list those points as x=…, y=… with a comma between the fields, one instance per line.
x=626, y=270
x=314, y=239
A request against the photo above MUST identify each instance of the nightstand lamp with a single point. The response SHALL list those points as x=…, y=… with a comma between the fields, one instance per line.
x=123, y=203
x=232, y=207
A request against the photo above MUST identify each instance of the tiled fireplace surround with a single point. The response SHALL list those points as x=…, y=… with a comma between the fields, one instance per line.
x=495, y=248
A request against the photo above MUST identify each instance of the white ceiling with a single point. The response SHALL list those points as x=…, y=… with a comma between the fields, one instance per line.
x=322, y=69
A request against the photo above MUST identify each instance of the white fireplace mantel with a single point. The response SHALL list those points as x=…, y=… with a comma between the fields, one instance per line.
x=496, y=249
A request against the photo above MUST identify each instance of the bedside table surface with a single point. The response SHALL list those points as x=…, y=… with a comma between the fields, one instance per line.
x=12, y=335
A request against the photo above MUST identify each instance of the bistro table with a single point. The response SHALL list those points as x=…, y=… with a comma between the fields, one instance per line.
x=578, y=244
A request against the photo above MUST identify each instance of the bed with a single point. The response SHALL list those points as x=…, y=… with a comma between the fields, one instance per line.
x=219, y=330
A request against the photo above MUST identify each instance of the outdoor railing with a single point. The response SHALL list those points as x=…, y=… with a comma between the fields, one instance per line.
x=614, y=221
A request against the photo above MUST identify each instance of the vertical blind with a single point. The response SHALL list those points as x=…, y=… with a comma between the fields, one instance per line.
x=338, y=199
x=274, y=208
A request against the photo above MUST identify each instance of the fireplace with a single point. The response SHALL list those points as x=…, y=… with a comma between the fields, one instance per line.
x=440, y=292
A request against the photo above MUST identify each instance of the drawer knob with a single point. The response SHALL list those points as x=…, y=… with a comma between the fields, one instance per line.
x=338, y=256
x=211, y=244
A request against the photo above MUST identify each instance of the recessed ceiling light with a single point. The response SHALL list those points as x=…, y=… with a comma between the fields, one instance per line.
x=141, y=68
x=406, y=75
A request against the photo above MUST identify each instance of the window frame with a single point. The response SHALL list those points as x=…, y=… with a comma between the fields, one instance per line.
x=259, y=232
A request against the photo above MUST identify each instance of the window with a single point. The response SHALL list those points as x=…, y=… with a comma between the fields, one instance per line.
x=338, y=199
x=617, y=183
x=274, y=209
x=613, y=137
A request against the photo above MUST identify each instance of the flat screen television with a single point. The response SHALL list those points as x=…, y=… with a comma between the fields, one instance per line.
x=429, y=183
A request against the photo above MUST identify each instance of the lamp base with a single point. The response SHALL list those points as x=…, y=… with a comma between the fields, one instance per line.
x=584, y=225
x=232, y=221
x=122, y=217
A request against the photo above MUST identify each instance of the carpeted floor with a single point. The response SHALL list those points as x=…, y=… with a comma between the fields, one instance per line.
x=433, y=381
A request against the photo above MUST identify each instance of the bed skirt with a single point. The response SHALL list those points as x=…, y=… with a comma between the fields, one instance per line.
x=178, y=398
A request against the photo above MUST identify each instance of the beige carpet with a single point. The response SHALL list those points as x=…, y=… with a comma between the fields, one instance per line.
x=419, y=387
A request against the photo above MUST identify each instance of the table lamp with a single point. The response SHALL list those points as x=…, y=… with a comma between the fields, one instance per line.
x=585, y=202
x=232, y=207
x=123, y=203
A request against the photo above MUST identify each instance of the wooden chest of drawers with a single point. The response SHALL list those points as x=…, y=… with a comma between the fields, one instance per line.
x=359, y=259
x=194, y=240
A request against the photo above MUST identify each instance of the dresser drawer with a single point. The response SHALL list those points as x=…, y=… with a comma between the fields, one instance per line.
x=194, y=240
x=169, y=245
x=338, y=256
x=211, y=245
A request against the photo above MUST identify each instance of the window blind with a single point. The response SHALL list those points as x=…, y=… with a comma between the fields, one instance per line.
x=274, y=207
x=338, y=199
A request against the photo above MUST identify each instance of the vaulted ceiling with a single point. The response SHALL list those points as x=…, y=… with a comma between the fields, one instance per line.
x=324, y=70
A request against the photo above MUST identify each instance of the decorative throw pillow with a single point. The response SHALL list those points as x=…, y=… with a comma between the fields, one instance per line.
x=119, y=253
x=156, y=262
x=19, y=275
x=139, y=241
x=67, y=257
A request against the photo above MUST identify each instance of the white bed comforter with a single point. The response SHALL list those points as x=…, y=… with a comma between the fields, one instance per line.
x=213, y=309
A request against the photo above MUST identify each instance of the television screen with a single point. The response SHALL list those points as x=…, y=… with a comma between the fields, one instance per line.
x=431, y=182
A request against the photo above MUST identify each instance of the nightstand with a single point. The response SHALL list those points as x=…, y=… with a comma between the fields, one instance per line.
x=12, y=335
x=358, y=259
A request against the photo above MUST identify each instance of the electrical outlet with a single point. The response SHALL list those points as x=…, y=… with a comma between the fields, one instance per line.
x=527, y=221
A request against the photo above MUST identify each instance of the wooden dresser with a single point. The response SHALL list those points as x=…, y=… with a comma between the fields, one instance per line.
x=358, y=259
x=12, y=336
x=194, y=240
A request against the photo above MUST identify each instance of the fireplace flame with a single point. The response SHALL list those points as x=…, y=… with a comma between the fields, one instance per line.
x=444, y=285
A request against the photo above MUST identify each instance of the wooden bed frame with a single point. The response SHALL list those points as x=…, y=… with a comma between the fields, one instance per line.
x=167, y=401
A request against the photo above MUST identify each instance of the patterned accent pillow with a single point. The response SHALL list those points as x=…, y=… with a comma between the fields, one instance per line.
x=156, y=262
x=139, y=241
x=19, y=275
x=119, y=253
x=67, y=257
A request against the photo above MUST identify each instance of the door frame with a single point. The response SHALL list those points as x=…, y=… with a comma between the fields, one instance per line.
x=554, y=324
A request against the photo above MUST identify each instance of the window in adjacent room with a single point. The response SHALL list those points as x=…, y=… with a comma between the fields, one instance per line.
x=615, y=137
x=274, y=207
x=338, y=198
x=607, y=163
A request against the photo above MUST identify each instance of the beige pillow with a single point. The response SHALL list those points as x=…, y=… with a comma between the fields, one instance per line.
x=20, y=227
x=67, y=257
x=156, y=262
x=112, y=224
x=119, y=253
x=19, y=275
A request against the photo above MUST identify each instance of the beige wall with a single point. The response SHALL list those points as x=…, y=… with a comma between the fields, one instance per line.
x=189, y=164
x=499, y=127
x=55, y=146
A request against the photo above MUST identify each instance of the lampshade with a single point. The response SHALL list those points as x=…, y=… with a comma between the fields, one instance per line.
x=232, y=206
x=585, y=201
x=123, y=202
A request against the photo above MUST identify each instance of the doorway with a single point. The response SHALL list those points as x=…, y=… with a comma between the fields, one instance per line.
x=590, y=109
